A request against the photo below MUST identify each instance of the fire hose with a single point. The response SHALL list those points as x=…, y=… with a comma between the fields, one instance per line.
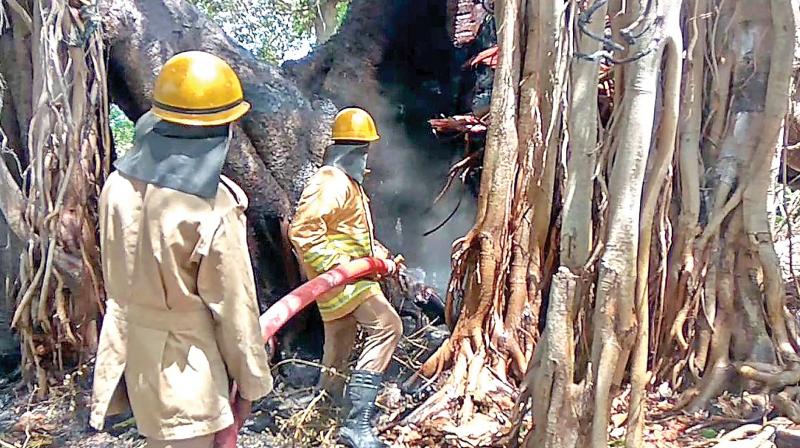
x=278, y=314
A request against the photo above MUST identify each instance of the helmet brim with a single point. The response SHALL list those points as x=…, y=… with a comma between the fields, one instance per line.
x=355, y=137
x=214, y=119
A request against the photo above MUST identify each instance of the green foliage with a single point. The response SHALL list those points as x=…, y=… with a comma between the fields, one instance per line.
x=303, y=19
x=341, y=11
x=121, y=128
x=268, y=28
x=708, y=433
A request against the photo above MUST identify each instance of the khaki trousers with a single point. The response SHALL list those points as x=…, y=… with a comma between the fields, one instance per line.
x=195, y=442
x=384, y=329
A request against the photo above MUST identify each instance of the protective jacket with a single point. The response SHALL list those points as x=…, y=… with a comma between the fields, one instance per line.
x=182, y=316
x=332, y=225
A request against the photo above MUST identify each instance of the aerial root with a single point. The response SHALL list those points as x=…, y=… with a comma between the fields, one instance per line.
x=770, y=375
x=786, y=403
x=748, y=436
x=434, y=365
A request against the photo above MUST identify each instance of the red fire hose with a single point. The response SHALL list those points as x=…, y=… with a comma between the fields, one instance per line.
x=278, y=314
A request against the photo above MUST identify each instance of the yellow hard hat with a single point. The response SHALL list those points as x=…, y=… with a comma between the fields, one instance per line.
x=354, y=124
x=198, y=89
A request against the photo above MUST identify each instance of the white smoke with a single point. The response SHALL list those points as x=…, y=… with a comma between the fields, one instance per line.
x=408, y=173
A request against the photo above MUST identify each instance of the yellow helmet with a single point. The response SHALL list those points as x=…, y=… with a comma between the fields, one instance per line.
x=354, y=124
x=198, y=89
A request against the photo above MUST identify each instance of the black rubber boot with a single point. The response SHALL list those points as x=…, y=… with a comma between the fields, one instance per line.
x=362, y=391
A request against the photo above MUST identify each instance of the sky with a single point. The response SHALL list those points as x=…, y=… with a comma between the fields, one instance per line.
x=300, y=52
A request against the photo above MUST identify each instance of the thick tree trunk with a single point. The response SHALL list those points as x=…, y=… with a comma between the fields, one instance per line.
x=345, y=68
x=642, y=299
x=60, y=123
x=479, y=350
x=552, y=376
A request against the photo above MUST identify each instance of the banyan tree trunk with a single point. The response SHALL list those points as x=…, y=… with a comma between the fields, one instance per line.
x=677, y=282
x=648, y=238
x=58, y=95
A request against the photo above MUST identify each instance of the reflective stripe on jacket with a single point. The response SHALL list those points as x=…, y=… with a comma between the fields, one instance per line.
x=332, y=225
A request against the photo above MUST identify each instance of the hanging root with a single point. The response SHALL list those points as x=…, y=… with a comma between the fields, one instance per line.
x=771, y=376
x=69, y=144
x=787, y=404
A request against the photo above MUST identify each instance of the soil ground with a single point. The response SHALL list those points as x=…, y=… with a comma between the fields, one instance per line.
x=287, y=419
x=290, y=417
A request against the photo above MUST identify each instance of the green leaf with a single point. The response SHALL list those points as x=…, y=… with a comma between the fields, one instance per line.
x=709, y=433
x=342, y=9
x=267, y=28
x=122, y=129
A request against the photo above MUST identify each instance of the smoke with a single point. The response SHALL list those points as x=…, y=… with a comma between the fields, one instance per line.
x=419, y=77
x=409, y=168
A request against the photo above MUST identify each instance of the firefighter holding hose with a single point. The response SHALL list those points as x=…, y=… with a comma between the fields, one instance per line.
x=181, y=321
x=332, y=225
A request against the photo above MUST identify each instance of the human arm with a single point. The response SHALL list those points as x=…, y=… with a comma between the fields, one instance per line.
x=227, y=286
x=322, y=198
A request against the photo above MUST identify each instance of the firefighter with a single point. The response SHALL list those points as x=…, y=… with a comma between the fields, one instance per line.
x=332, y=225
x=181, y=320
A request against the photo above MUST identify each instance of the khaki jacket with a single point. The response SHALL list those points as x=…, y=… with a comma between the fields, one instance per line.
x=182, y=316
x=332, y=225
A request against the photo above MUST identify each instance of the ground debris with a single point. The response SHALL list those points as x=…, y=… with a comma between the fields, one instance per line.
x=293, y=418
x=289, y=417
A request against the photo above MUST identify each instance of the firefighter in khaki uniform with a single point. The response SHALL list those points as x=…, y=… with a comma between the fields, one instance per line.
x=182, y=318
x=332, y=226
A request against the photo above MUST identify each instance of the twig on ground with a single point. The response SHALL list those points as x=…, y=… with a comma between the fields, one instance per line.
x=308, y=363
x=307, y=411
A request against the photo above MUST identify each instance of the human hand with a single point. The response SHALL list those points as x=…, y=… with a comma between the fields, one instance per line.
x=393, y=267
x=400, y=263
x=226, y=438
x=241, y=410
